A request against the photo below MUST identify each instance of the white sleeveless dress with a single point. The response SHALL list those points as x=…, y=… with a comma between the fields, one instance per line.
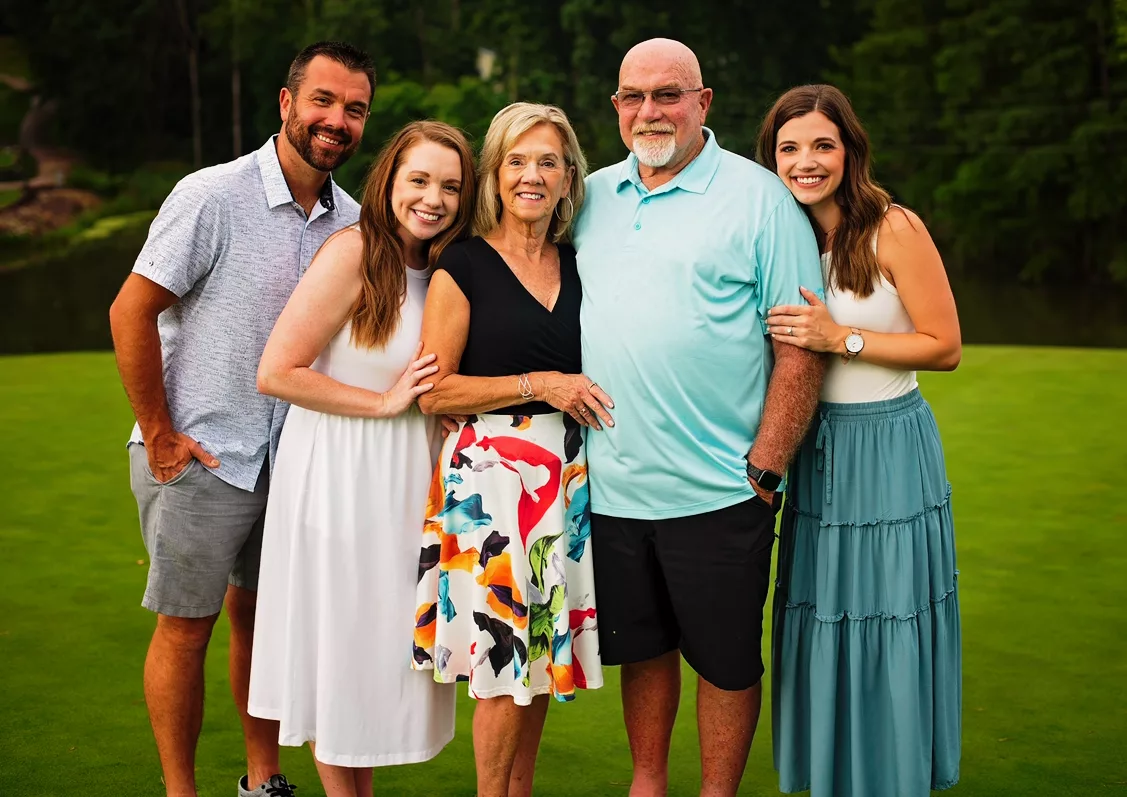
x=340, y=557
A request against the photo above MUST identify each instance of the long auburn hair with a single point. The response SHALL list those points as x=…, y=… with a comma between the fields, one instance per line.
x=853, y=263
x=375, y=316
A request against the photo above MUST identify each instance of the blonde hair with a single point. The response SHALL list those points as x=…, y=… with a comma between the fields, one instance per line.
x=510, y=123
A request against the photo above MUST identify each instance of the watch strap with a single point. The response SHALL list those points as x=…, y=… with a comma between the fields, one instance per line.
x=766, y=479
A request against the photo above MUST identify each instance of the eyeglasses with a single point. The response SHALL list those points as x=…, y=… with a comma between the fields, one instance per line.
x=667, y=95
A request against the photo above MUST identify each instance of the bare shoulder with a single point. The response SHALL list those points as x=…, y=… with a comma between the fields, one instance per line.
x=341, y=253
x=904, y=245
x=901, y=229
x=903, y=225
x=346, y=243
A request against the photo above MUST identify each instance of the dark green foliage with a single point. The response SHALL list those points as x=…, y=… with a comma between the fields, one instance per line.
x=999, y=122
x=1002, y=122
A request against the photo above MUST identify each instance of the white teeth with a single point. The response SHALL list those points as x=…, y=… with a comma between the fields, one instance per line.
x=328, y=140
x=524, y=195
x=426, y=216
x=809, y=180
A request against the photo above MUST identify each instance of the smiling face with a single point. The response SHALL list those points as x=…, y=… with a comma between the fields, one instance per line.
x=810, y=158
x=325, y=119
x=663, y=137
x=533, y=176
x=425, y=191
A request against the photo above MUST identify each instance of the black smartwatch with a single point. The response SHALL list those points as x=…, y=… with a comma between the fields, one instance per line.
x=766, y=479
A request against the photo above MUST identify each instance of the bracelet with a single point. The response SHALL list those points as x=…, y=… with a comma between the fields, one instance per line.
x=524, y=385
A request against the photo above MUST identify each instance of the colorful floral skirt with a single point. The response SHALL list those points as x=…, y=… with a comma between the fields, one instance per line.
x=506, y=591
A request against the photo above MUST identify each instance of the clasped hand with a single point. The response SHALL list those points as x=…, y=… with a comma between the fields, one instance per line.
x=578, y=396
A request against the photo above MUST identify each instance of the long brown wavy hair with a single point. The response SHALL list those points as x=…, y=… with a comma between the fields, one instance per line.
x=375, y=316
x=853, y=264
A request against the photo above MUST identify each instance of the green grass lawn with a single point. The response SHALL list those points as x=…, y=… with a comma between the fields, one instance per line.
x=1036, y=450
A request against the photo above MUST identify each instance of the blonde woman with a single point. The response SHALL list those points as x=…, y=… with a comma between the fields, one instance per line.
x=506, y=587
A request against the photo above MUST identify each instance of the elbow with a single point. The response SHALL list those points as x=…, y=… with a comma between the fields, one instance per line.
x=951, y=358
x=267, y=379
x=429, y=402
x=435, y=401
x=117, y=312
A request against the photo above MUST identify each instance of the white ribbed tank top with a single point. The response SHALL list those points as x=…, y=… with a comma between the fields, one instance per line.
x=881, y=311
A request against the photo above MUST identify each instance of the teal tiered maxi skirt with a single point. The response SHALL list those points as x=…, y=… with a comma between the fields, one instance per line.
x=866, y=645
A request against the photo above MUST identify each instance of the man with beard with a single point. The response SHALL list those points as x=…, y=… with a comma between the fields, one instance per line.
x=682, y=248
x=189, y=325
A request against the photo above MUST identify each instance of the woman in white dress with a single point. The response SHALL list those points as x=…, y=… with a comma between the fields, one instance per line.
x=349, y=487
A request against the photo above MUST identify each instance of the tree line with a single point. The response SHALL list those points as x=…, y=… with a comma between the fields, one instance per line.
x=1000, y=122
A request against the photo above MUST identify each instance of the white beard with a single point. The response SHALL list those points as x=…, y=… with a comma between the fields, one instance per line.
x=655, y=153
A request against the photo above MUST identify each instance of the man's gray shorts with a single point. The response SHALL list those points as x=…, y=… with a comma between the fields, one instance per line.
x=201, y=534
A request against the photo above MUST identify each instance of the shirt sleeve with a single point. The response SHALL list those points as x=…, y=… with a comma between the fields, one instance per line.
x=454, y=262
x=185, y=239
x=786, y=257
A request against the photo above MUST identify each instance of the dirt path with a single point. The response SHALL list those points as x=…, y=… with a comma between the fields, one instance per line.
x=46, y=203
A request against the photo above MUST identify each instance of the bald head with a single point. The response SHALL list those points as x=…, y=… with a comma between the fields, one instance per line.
x=661, y=56
x=665, y=130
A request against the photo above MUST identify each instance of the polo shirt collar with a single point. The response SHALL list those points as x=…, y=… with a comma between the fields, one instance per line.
x=277, y=190
x=694, y=178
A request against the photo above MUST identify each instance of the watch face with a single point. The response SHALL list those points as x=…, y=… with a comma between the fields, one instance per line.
x=769, y=481
x=854, y=343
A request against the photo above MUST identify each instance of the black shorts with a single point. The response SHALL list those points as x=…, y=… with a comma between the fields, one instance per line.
x=695, y=583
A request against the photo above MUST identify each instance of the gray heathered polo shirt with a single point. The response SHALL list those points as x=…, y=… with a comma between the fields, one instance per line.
x=231, y=243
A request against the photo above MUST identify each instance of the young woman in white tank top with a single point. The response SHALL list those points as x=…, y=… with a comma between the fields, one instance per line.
x=867, y=667
x=882, y=311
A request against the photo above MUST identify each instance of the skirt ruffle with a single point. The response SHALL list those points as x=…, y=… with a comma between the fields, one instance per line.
x=866, y=647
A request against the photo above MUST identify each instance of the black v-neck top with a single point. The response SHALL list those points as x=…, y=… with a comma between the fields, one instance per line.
x=510, y=332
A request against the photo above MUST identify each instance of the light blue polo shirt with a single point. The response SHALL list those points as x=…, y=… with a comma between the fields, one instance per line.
x=231, y=243
x=676, y=286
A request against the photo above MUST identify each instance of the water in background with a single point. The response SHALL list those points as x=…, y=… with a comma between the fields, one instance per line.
x=62, y=304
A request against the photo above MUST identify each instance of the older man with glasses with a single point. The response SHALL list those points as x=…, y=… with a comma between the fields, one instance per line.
x=682, y=248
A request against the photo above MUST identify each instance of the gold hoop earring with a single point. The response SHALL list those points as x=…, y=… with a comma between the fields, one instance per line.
x=570, y=215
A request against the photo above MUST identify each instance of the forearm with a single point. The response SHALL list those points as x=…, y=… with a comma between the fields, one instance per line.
x=137, y=350
x=304, y=387
x=456, y=394
x=908, y=351
x=792, y=398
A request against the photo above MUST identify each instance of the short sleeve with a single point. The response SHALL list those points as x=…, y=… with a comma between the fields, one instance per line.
x=786, y=258
x=455, y=262
x=185, y=239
